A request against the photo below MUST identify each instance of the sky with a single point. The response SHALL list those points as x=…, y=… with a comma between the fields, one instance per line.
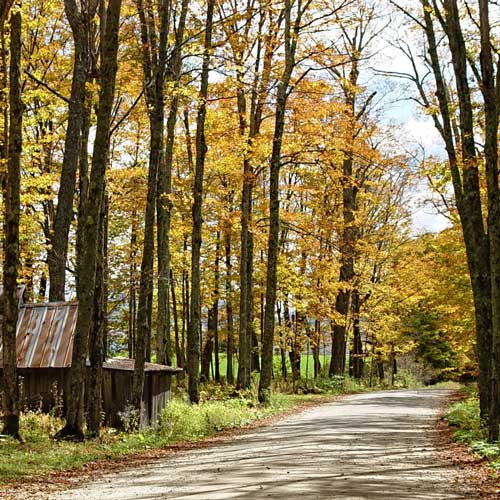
x=419, y=134
x=425, y=217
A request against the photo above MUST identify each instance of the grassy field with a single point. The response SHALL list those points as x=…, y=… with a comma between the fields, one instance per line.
x=306, y=364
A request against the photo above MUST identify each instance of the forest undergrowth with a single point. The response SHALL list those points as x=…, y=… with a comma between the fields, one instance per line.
x=464, y=418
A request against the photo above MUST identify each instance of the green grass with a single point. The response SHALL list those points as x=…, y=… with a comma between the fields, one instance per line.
x=465, y=418
x=403, y=379
x=306, y=364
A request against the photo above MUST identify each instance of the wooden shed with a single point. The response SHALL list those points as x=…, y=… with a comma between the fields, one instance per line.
x=118, y=375
x=44, y=350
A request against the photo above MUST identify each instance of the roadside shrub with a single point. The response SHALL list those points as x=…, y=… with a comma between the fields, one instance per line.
x=448, y=385
x=405, y=380
x=490, y=451
x=181, y=420
x=331, y=385
x=339, y=385
x=129, y=418
x=464, y=415
x=37, y=426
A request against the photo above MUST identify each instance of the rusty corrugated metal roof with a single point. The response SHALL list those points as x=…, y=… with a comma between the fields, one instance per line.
x=45, y=339
x=45, y=335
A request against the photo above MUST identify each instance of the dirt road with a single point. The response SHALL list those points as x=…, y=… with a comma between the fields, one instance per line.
x=369, y=446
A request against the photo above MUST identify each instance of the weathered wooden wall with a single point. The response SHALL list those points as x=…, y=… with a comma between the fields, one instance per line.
x=43, y=389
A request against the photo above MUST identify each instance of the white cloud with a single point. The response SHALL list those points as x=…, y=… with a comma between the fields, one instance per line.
x=423, y=133
x=425, y=221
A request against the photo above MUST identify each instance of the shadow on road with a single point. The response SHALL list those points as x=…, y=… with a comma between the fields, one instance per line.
x=369, y=446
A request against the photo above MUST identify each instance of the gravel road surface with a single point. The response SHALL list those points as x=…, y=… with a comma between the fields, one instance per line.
x=369, y=446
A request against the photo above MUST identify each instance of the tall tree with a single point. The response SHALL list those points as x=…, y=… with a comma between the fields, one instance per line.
x=229, y=303
x=80, y=20
x=98, y=330
x=291, y=37
x=12, y=203
x=211, y=349
x=357, y=36
x=464, y=169
x=250, y=102
x=154, y=38
x=194, y=326
x=164, y=191
x=490, y=87
x=73, y=428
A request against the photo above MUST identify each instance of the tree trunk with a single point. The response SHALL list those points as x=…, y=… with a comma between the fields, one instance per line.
x=166, y=187
x=206, y=355
x=154, y=60
x=381, y=371
x=253, y=342
x=255, y=364
x=466, y=184
x=490, y=95
x=42, y=290
x=394, y=366
x=294, y=353
x=80, y=22
x=212, y=341
x=357, y=351
x=249, y=129
x=163, y=203
x=229, y=308
x=315, y=348
x=201, y=150
x=97, y=334
x=244, y=364
x=185, y=300
x=291, y=39
x=12, y=202
x=4, y=146
x=347, y=250
x=282, y=340
x=215, y=311
x=83, y=181
x=132, y=302
x=92, y=209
